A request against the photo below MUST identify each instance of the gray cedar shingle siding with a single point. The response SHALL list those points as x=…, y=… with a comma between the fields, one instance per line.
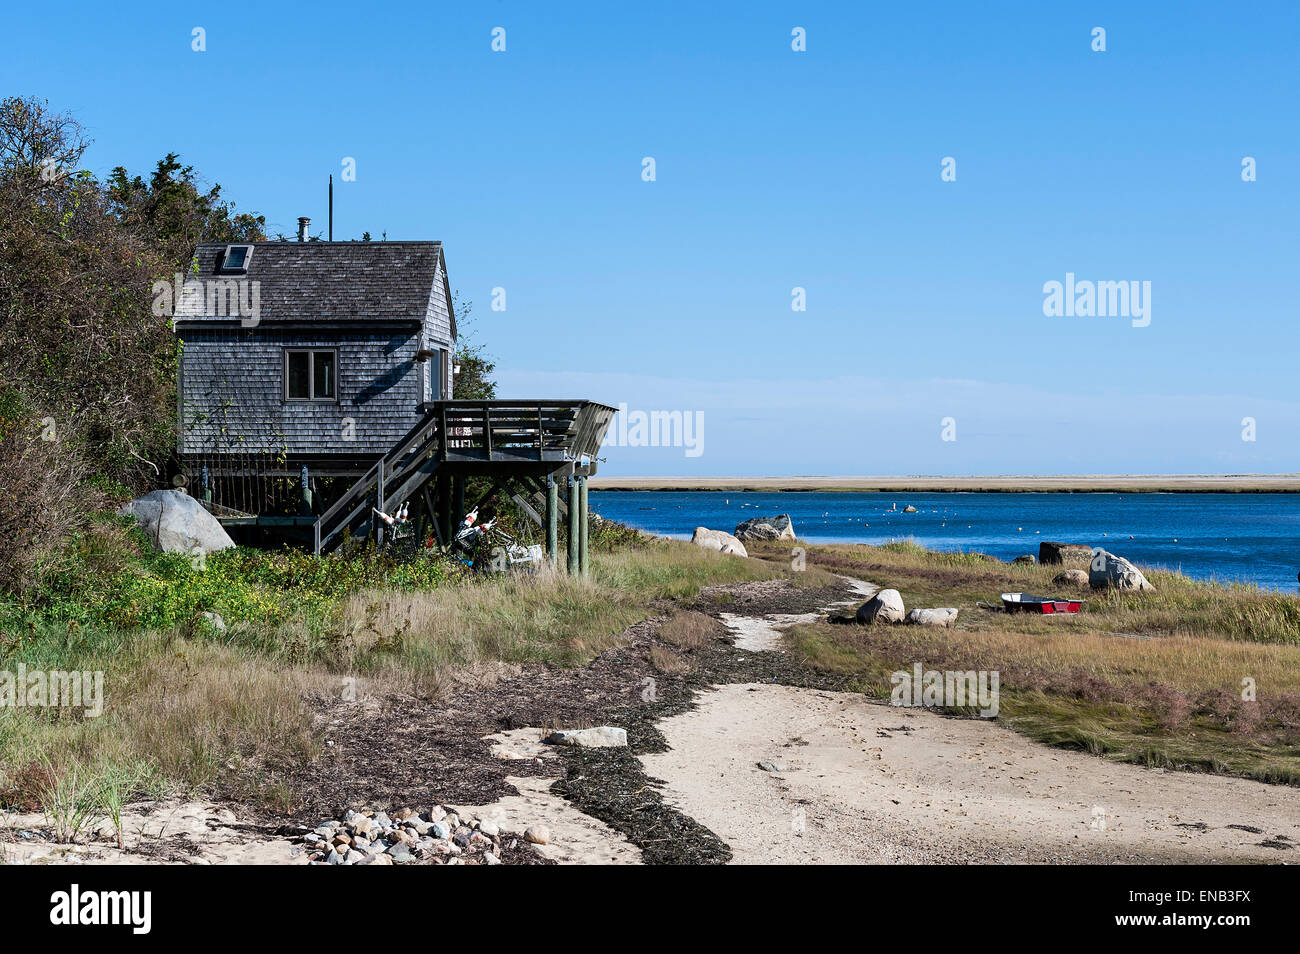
x=374, y=303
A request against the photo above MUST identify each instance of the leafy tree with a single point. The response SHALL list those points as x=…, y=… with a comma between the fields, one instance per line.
x=474, y=380
x=175, y=213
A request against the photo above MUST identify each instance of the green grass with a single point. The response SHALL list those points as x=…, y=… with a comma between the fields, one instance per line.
x=188, y=707
x=1173, y=698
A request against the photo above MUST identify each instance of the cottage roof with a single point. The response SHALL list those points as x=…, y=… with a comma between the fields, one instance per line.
x=332, y=282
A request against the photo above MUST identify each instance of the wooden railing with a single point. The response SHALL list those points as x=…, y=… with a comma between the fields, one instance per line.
x=486, y=432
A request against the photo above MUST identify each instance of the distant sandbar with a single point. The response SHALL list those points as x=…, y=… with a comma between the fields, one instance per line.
x=1066, y=483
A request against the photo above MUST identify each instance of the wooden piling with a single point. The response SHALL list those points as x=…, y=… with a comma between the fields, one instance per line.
x=552, y=521
x=584, y=557
x=574, y=530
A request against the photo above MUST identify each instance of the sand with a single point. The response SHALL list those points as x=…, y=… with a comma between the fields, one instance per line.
x=167, y=832
x=856, y=788
x=576, y=838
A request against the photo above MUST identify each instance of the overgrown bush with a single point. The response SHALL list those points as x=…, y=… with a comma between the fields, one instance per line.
x=40, y=499
x=108, y=574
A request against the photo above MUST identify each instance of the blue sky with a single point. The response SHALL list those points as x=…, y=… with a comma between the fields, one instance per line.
x=778, y=169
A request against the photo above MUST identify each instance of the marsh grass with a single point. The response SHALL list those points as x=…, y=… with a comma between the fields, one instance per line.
x=191, y=710
x=1153, y=678
x=688, y=629
x=1180, y=606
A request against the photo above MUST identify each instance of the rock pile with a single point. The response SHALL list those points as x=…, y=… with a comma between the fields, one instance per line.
x=1071, y=577
x=439, y=836
x=766, y=528
x=1107, y=570
x=177, y=523
x=1073, y=554
x=719, y=540
x=885, y=607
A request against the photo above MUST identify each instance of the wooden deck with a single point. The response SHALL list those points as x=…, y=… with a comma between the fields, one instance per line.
x=519, y=440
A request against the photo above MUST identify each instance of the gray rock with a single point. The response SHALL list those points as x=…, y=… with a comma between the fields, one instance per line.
x=719, y=540
x=944, y=616
x=440, y=830
x=1079, y=554
x=489, y=828
x=601, y=737
x=766, y=528
x=885, y=607
x=1071, y=577
x=1107, y=569
x=213, y=622
x=177, y=523
x=1025, y=560
x=909, y=509
x=490, y=859
x=772, y=766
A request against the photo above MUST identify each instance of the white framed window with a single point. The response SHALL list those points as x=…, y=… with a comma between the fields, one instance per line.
x=438, y=372
x=236, y=258
x=311, y=374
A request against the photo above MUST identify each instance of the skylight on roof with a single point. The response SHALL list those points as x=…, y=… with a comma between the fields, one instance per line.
x=236, y=259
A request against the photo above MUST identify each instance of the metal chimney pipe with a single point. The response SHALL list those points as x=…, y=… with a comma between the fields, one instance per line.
x=303, y=224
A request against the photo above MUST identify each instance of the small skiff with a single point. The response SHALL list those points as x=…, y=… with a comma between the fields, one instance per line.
x=1046, y=605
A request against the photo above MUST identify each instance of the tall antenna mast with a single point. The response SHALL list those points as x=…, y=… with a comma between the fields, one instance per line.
x=331, y=206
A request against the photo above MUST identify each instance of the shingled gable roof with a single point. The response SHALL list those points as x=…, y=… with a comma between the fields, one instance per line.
x=334, y=282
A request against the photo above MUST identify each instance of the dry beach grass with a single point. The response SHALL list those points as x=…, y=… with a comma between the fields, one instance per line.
x=1163, y=678
x=245, y=715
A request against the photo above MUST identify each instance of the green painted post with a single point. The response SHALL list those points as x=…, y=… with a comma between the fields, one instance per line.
x=445, y=518
x=574, y=529
x=584, y=555
x=552, y=521
x=306, y=491
x=379, y=492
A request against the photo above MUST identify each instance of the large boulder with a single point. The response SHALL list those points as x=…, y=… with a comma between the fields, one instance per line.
x=1071, y=577
x=766, y=528
x=885, y=607
x=719, y=540
x=1077, y=554
x=177, y=523
x=944, y=616
x=1107, y=569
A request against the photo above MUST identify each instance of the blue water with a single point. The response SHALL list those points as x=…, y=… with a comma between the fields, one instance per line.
x=1252, y=538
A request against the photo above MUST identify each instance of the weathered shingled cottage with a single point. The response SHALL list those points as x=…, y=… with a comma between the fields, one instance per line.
x=329, y=366
x=345, y=343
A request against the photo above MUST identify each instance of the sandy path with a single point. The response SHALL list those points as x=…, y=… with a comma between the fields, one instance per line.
x=168, y=832
x=856, y=789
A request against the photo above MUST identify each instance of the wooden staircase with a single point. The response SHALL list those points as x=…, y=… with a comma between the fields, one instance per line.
x=513, y=439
